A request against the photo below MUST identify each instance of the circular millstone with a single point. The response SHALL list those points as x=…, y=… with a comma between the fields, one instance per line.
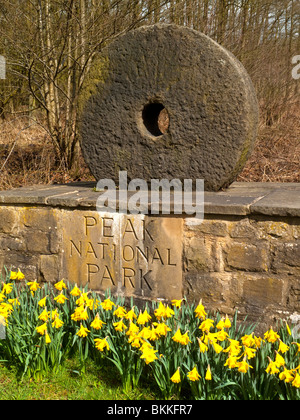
x=169, y=103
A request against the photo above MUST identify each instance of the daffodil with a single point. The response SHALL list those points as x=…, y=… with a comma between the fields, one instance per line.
x=227, y=323
x=143, y=318
x=7, y=288
x=220, y=324
x=60, y=285
x=296, y=381
x=279, y=360
x=107, y=304
x=101, y=344
x=75, y=291
x=80, y=314
x=221, y=335
x=17, y=275
x=286, y=376
x=33, y=285
x=97, y=323
x=61, y=298
x=249, y=352
x=42, y=302
x=163, y=312
x=119, y=326
x=42, y=328
x=193, y=375
x=83, y=332
x=283, y=348
x=145, y=333
x=162, y=329
x=133, y=329
x=208, y=376
x=177, y=302
x=2, y=297
x=203, y=347
x=248, y=340
x=47, y=338
x=176, y=377
x=44, y=316
x=57, y=323
x=271, y=336
x=120, y=312
x=217, y=347
x=148, y=354
x=231, y=362
x=130, y=315
x=272, y=367
x=243, y=366
x=200, y=311
x=207, y=324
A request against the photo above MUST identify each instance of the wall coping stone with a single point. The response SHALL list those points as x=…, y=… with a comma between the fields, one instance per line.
x=241, y=198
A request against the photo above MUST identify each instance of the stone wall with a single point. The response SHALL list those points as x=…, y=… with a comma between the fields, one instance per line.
x=244, y=256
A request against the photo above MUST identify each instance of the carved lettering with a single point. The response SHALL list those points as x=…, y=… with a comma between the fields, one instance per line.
x=128, y=253
x=128, y=276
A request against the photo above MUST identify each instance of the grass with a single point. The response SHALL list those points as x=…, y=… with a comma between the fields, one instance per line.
x=98, y=383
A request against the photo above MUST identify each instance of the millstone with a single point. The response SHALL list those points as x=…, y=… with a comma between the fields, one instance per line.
x=170, y=103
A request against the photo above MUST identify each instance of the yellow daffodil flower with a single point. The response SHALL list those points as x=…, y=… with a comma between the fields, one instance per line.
x=208, y=376
x=97, y=323
x=83, y=332
x=271, y=336
x=227, y=323
x=248, y=340
x=249, y=352
x=47, y=338
x=243, y=366
x=44, y=316
x=200, y=311
x=176, y=377
x=220, y=324
x=42, y=328
x=57, y=323
x=148, y=354
x=203, y=347
x=193, y=375
x=7, y=288
x=207, y=324
x=16, y=275
x=162, y=329
x=231, y=362
x=61, y=298
x=120, y=312
x=272, y=368
x=130, y=315
x=33, y=285
x=296, y=381
x=177, y=302
x=60, y=285
x=119, y=326
x=279, y=360
x=107, y=304
x=42, y=302
x=283, y=348
x=286, y=376
x=143, y=318
x=101, y=344
x=75, y=291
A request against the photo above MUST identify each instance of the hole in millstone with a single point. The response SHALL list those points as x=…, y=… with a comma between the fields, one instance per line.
x=155, y=118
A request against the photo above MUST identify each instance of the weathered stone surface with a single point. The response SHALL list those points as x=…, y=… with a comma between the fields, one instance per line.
x=130, y=255
x=248, y=257
x=8, y=220
x=209, y=108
